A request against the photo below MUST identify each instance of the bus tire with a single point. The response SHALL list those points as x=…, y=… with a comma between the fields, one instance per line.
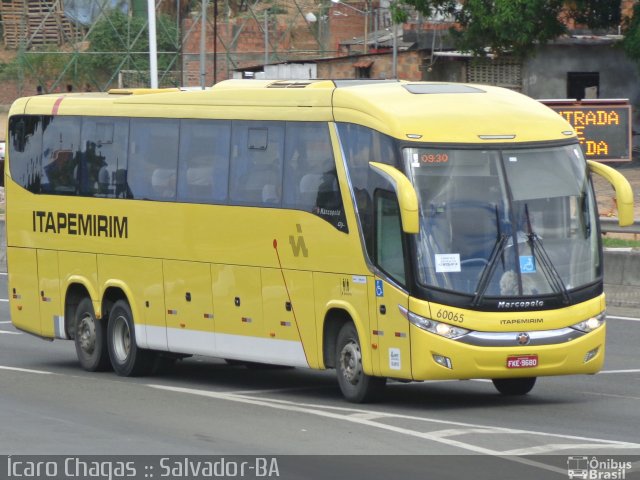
x=127, y=359
x=90, y=338
x=356, y=386
x=514, y=386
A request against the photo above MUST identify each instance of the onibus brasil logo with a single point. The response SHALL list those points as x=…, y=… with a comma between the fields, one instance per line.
x=593, y=468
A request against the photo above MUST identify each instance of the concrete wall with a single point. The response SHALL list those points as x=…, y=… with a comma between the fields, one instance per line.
x=545, y=74
x=622, y=278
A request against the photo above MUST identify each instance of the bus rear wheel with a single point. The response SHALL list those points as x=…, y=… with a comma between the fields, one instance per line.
x=514, y=386
x=90, y=338
x=356, y=386
x=127, y=359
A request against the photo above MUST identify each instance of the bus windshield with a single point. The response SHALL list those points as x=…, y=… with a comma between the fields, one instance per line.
x=507, y=223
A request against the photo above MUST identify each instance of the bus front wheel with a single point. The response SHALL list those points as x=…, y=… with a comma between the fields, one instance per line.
x=127, y=359
x=90, y=338
x=514, y=386
x=356, y=386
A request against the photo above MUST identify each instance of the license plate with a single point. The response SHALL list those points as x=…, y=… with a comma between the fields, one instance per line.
x=522, y=361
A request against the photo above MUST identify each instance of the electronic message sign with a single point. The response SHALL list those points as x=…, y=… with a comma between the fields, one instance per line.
x=603, y=126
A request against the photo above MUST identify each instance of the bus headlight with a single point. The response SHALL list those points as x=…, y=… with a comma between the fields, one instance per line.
x=590, y=324
x=439, y=328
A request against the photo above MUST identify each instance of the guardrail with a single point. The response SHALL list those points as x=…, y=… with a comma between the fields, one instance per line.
x=610, y=225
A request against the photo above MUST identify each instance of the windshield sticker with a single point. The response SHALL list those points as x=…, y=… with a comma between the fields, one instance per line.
x=527, y=264
x=513, y=159
x=447, y=262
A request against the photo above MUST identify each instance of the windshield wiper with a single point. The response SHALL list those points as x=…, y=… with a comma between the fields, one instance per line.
x=492, y=263
x=539, y=252
x=489, y=269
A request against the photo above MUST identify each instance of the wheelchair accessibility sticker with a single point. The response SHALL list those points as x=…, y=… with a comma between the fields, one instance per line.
x=527, y=264
x=379, y=288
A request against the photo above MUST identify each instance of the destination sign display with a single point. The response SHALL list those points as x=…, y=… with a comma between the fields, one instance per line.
x=603, y=127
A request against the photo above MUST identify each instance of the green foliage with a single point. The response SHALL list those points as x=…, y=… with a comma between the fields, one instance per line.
x=118, y=41
x=508, y=26
x=620, y=243
x=631, y=42
x=596, y=14
x=515, y=27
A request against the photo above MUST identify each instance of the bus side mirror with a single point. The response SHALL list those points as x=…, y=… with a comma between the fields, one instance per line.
x=407, y=197
x=624, y=193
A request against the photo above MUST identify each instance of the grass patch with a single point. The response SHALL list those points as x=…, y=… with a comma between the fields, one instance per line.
x=620, y=242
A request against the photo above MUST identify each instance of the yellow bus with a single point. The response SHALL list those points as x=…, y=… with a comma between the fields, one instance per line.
x=389, y=230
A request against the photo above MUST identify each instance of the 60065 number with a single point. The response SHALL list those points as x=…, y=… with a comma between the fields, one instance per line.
x=450, y=316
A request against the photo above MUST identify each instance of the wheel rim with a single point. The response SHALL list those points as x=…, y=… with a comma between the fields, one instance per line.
x=87, y=334
x=351, y=363
x=121, y=339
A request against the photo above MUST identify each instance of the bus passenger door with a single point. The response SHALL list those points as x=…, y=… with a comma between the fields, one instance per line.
x=51, y=314
x=23, y=289
x=189, y=308
x=394, y=344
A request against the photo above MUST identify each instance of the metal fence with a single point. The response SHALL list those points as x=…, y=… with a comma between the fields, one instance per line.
x=610, y=225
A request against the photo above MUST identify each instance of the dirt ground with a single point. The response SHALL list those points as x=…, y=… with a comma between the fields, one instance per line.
x=606, y=196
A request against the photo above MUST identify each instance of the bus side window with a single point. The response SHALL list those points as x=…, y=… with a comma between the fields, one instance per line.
x=25, y=150
x=105, y=153
x=310, y=176
x=203, y=164
x=153, y=159
x=256, y=167
x=61, y=155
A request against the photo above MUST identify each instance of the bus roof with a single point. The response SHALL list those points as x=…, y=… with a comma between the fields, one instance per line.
x=411, y=111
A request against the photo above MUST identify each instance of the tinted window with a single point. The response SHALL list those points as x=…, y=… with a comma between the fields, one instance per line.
x=203, y=165
x=25, y=151
x=60, y=155
x=103, y=169
x=362, y=145
x=256, y=163
x=153, y=159
x=389, y=255
x=310, y=176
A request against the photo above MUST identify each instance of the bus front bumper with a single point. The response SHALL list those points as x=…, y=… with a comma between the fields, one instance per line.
x=438, y=358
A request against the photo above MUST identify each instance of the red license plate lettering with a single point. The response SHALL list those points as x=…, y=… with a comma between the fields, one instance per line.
x=522, y=361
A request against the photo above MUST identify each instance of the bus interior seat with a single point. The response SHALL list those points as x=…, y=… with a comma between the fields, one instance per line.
x=473, y=219
x=199, y=181
x=261, y=183
x=163, y=182
x=318, y=165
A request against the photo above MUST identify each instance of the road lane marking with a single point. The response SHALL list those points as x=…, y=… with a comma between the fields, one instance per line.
x=5, y=321
x=612, y=395
x=552, y=448
x=26, y=370
x=629, y=319
x=366, y=418
x=9, y=333
x=4, y=299
x=633, y=370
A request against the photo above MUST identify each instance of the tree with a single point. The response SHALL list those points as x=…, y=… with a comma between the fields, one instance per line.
x=596, y=14
x=118, y=41
x=631, y=42
x=516, y=27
